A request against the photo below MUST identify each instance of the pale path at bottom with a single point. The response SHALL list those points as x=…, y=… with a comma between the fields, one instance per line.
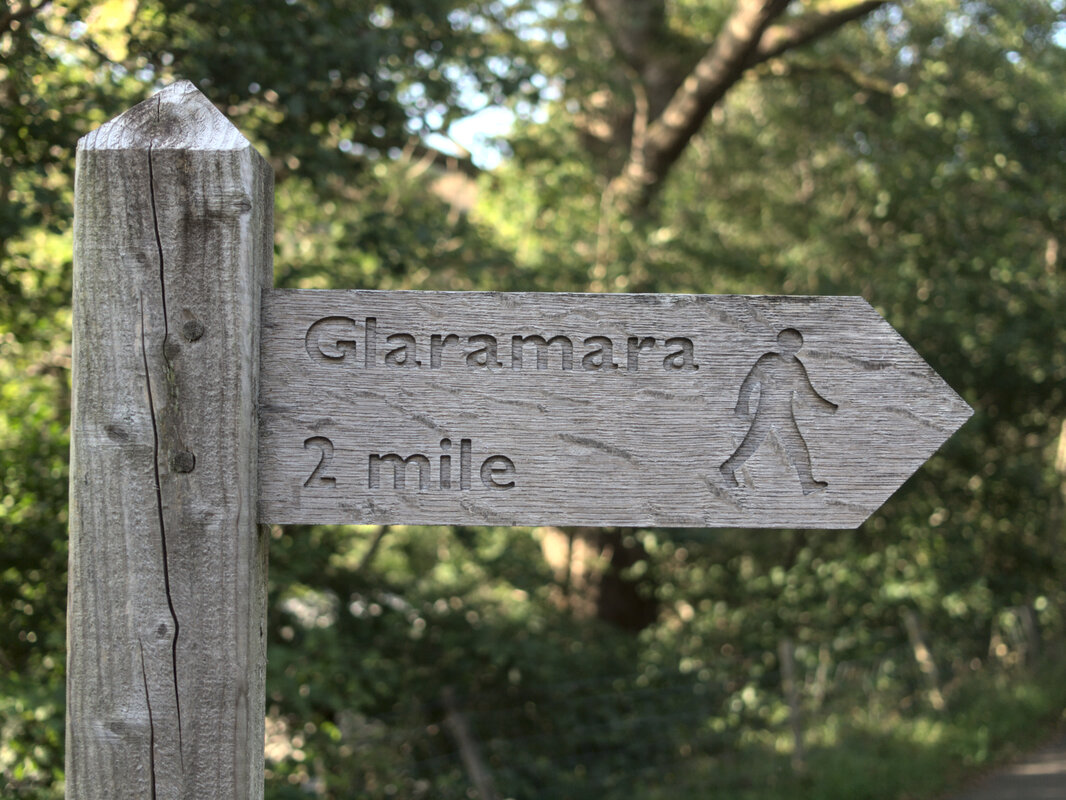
x=1038, y=776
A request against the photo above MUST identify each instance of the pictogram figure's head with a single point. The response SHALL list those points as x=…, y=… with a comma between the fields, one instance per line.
x=790, y=341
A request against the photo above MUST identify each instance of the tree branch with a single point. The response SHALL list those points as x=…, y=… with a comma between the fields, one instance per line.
x=714, y=74
x=803, y=30
x=839, y=67
x=749, y=37
x=446, y=161
x=368, y=556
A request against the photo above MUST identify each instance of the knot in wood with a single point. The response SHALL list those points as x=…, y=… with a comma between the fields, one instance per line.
x=183, y=461
x=192, y=330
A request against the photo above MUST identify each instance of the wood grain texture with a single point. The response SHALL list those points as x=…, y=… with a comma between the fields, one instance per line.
x=651, y=433
x=166, y=652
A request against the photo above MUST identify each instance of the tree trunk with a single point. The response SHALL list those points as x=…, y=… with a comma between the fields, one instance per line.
x=674, y=97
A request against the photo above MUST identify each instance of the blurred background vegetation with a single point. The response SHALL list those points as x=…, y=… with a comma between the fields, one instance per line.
x=912, y=152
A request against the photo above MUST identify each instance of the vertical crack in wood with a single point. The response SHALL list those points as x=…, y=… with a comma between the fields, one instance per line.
x=151, y=720
x=155, y=434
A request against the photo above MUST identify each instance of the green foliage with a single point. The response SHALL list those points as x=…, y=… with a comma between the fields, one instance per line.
x=316, y=81
x=386, y=232
x=881, y=756
x=31, y=737
x=360, y=651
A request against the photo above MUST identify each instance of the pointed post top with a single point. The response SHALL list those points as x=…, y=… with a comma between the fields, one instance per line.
x=179, y=117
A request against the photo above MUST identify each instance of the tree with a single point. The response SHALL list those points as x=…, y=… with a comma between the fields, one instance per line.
x=676, y=80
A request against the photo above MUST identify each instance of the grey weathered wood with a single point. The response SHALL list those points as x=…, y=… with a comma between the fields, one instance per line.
x=166, y=661
x=608, y=446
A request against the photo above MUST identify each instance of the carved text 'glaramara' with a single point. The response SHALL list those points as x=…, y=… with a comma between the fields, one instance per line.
x=341, y=341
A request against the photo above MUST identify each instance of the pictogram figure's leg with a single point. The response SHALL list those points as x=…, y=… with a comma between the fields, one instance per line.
x=756, y=433
x=800, y=456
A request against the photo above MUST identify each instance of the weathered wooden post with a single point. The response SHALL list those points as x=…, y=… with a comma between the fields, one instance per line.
x=166, y=627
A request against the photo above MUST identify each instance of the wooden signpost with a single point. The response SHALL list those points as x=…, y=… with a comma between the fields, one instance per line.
x=581, y=409
x=206, y=403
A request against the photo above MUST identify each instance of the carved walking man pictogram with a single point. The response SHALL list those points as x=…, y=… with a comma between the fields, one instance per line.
x=781, y=378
